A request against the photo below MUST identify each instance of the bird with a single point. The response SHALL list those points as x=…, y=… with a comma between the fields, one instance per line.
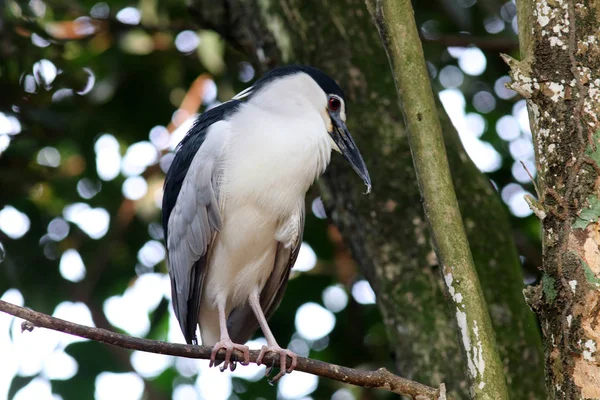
x=233, y=205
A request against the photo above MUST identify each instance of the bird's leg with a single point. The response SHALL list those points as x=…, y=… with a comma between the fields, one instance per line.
x=226, y=344
x=272, y=345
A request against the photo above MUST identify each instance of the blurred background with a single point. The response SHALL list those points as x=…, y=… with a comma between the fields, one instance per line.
x=94, y=96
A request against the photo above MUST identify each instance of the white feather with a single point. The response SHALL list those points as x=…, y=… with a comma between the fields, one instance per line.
x=278, y=145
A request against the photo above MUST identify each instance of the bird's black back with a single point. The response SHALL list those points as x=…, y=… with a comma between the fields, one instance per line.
x=186, y=150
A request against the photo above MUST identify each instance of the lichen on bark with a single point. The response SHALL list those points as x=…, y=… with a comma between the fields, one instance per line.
x=560, y=76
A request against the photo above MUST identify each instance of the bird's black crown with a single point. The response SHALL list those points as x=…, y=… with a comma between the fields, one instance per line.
x=328, y=85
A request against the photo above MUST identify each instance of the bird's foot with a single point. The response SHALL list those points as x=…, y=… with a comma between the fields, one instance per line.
x=229, y=346
x=283, y=354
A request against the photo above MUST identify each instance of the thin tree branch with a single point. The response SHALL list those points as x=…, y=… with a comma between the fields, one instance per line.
x=381, y=378
x=396, y=24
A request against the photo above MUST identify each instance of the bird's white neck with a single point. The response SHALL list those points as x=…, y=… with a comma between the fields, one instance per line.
x=277, y=157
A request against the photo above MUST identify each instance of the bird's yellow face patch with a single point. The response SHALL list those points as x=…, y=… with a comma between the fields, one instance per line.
x=327, y=120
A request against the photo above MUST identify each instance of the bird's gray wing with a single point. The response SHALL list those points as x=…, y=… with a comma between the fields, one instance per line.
x=242, y=323
x=192, y=225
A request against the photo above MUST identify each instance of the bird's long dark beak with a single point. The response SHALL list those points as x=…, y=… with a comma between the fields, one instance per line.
x=341, y=136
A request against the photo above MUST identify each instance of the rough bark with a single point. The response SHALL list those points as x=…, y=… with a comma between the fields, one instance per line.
x=559, y=75
x=386, y=230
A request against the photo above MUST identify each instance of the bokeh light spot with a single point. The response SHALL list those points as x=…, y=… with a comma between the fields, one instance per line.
x=343, y=394
x=49, y=157
x=9, y=124
x=150, y=365
x=335, y=298
x=313, y=321
x=521, y=148
x=507, y=128
x=93, y=221
x=210, y=92
x=108, y=157
x=318, y=208
x=159, y=136
x=307, y=259
x=135, y=187
x=297, y=385
x=186, y=392
x=2, y=252
x=89, y=84
x=86, y=188
x=451, y=76
x=151, y=253
x=29, y=84
x=129, y=16
x=44, y=72
x=475, y=123
x=62, y=95
x=501, y=90
x=187, y=41
x=513, y=195
x=472, y=61
x=39, y=41
x=71, y=266
x=519, y=111
x=100, y=10
x=38, y=389
x=363, y=293
x=493, y=24
x=14, y=223
x=124, y=386
x=483, y=154
x=520, y=174
x=212, y=384
x=484, y=102
x=246, y=72
x=4, y=142
x=58, y=229
x=138, y=157
x=130, y=311
x=60, y=366
x=299, y=346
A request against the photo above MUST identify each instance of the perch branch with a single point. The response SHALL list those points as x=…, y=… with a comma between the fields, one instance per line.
x=381, y=378
x=396, y=24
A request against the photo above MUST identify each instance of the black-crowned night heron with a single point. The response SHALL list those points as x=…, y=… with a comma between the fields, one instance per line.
x=233, y=205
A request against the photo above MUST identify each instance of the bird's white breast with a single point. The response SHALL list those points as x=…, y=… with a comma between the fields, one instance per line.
x=269, y=163
x=273, y=159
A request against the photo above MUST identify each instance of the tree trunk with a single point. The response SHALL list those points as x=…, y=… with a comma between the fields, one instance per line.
x=560, y=78
x=386, y=230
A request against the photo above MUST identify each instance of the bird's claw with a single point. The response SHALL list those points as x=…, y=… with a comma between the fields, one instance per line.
x=283, y=354
x=232, y=366
x=229, y=346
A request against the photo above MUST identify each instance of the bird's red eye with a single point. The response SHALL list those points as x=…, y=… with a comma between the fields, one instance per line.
x=334, y=103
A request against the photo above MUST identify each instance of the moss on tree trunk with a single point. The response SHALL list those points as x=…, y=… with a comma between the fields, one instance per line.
x=386, y=230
